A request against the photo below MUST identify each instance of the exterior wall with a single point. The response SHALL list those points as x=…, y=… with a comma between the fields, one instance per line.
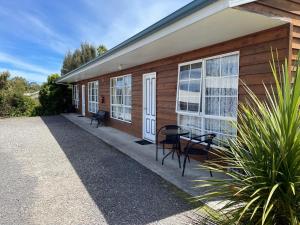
x=254, y=69
x=283, y=8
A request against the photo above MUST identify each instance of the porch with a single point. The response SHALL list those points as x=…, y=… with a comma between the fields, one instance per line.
x=145, y=155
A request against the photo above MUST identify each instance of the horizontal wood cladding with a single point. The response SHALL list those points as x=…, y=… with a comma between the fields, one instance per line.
x=255, y=53
x=282, y=8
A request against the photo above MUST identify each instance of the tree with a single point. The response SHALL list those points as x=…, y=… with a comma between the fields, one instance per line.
x=80, y=56
x=88, y=52
x=54, y=98
x=101, y=50
x=12, y=99
x=20, y=84
x=67, y=63
x=4, y=79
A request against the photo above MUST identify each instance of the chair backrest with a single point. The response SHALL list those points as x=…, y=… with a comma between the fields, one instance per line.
x=169, y=138
x=171, y=127
x=172, y=138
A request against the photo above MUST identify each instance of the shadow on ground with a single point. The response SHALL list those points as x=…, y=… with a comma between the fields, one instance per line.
x=124, y=191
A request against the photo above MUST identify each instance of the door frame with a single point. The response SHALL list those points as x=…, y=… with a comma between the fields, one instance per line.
x=143, y=109
x=83, y=100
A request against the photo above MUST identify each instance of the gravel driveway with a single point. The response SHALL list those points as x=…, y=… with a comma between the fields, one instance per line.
x=53, y=172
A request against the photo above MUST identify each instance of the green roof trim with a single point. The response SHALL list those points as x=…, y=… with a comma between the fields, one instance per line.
x=172, y=18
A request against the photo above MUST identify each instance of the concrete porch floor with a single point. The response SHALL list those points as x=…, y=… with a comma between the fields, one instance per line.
x=145, y=155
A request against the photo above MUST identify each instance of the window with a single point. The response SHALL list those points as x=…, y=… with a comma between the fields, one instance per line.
x=207, y=96
x=93, y=96
x=75, y=96
x=120, y=101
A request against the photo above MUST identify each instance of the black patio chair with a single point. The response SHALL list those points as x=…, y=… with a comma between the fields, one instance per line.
x=173, y=140
x=199, y=145
x=100, y=117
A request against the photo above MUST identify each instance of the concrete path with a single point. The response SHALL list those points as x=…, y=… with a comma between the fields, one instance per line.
x=53, y=172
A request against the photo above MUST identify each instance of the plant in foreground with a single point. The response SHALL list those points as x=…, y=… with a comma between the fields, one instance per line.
x=263, y=162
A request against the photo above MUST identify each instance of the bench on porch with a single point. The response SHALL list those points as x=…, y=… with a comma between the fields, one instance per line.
x=101, y=117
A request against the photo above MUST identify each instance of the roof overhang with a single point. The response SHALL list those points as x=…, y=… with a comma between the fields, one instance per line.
x=214, y=23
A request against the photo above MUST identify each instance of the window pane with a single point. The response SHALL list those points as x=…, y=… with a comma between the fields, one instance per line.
x=113, y=82
x=184, y=86
x=228, y=127
x=127, y=114
x=212, y=125
x=127, y=81
x=119, y=99
x=194, y=86
x=120, y=82
x=119, y=91
x=182, y=106
x=183, y=120
x=229, y=86
x=120, y=112
x=213, y=67
x=196, y=71
x=194, y=96
x=228, y=106
x=127, y=100
x=230, y=65
x=184, y=72
x=212, y=106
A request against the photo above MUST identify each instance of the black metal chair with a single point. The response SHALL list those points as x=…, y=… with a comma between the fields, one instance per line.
x=199, y=145
x=100, y=117
x=171, y=139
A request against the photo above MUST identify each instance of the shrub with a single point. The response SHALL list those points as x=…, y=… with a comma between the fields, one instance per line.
x=263, y=163
x=54, y=98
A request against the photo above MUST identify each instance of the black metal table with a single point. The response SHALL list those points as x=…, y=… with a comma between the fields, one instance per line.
x=176, y=147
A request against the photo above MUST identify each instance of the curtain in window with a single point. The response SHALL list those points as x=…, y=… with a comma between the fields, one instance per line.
x=216, y=88
x=93, y=96
x=121, y=98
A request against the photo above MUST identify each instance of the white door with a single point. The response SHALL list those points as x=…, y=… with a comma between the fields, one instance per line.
x=149, y=106
x=83, y=100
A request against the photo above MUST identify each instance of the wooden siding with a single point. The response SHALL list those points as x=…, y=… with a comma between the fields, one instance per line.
x=283, y=8
x=254, y=69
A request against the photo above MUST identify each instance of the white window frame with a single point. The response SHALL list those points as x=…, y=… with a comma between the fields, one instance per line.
x=75, y=95
x=201, y=114
x=94, y=103
x=123, y=104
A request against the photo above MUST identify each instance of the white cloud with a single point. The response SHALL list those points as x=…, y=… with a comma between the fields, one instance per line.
x=17, y=63
x=31, y=77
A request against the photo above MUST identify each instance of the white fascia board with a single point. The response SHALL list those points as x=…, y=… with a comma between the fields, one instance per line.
x=234, y=3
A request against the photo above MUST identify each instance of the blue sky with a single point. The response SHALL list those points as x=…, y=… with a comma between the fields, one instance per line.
x=35, y=34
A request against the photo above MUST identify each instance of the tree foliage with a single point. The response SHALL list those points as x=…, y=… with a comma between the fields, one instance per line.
x=54, y=98
x=80, y=56
x=101, y=50
x=12, y=99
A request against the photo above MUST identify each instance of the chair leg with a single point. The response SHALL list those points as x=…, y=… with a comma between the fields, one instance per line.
x=207, y=158
x=188, y=157
x=184, y=163
x=164, y=149
x=162, y=162
x=156, y=157
x=173, y=147
x=91, y=121
x=178, y=155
